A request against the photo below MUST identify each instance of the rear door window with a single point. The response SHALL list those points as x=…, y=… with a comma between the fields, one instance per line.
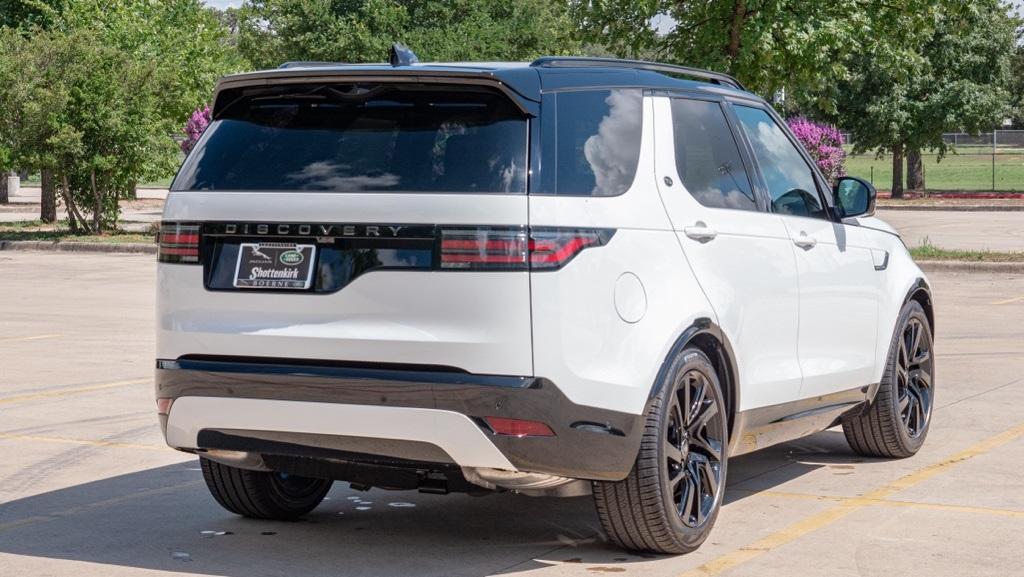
x=707, y=157
x=597, y=141
x=349, y=138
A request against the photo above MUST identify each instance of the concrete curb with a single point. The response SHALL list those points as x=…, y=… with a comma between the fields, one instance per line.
x=955, y=207
x=970, y=266
x=53, y=245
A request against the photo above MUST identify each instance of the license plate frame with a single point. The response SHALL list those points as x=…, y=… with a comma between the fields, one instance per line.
x=275, y=265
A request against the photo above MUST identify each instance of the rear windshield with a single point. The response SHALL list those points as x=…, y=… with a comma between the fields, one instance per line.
x=359, y=138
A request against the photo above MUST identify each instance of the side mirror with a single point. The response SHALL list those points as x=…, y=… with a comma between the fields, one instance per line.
x=854, y=197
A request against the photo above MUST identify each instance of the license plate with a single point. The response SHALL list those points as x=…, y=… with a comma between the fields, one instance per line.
x=274, y=265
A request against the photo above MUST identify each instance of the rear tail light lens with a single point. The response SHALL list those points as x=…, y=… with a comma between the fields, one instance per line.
x=178, y=243
x=551, y=248
x=518, y=427
x=484, y=248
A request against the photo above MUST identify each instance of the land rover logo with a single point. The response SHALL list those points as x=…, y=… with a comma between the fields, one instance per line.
x=291, y=257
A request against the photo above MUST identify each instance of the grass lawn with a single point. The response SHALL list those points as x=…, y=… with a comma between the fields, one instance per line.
x=964, y=171
x=38, y=230
x=930, y=252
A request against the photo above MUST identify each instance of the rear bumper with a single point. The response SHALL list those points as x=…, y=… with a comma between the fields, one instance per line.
x=385, y=411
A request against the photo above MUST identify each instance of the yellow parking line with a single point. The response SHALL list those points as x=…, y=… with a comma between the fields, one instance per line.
x=1008, y=301
x=844, y=508
x=894, y=503
x=33, y=338
x=96, y=505
x=73, y=391
x=88, y=442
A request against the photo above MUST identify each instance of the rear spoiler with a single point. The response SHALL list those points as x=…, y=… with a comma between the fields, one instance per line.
x=374, y=74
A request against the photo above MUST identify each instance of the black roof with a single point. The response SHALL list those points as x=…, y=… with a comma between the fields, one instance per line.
x=526, y=79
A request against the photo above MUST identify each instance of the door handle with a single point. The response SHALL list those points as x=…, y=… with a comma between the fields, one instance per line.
x=804, y=241
x=700, y=232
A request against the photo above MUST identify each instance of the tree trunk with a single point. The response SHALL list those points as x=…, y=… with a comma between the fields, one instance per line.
x=915, y=170
x=75, y=218
x=3, y=188
x=897, y=171
x=48, y=198
x=97, y=215
x=739, y=14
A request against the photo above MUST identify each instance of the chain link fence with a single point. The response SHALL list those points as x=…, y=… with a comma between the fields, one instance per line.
x=986, y=162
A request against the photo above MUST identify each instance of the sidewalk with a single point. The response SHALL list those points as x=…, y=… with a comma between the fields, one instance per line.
x=136, y=215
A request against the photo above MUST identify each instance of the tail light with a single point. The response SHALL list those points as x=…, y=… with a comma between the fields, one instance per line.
x=483, y=248
x=178, y=243
x=552, y=248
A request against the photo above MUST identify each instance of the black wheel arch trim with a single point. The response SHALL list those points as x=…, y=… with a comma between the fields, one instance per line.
x=921, y=287
x=721, y=354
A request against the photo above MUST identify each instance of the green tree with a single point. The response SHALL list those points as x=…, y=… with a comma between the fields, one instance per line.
x=182, y=47
x=89, y=112
x=28, y=13
x=956, y=79
x=795, y=45
x=182, y=38
x=1017, y=86
x=275, y=31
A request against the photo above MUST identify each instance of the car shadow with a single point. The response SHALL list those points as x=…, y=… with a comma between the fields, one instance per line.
x=164, y=519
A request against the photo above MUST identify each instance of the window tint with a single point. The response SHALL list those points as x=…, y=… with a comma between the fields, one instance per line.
x=350, y=138
x=707, y=157
x=598, y=141
x=788, y=176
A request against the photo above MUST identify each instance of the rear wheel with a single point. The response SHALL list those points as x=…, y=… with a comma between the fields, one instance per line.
x=263, y=494
x=671, y=498
x=896, y=423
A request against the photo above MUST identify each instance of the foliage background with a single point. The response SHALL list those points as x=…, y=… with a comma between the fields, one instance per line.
x=92, y=91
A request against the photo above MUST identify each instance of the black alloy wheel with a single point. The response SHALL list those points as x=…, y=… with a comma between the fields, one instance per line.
x=914, y=378
x=694, y=441
x=669, y=501
x=896, y=422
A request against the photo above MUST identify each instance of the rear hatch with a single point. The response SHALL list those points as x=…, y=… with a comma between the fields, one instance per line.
x=353, y=222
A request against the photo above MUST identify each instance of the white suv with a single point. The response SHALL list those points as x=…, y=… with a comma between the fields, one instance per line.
x=564, y=277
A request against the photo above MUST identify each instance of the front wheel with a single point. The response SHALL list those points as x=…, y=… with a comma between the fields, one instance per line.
x=263, y=494
x=672, y=496
x=896, y=423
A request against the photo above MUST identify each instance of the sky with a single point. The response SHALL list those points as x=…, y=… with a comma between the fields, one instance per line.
x=222, y=4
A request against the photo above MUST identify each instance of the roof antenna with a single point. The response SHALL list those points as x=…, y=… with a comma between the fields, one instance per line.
x=401, y=55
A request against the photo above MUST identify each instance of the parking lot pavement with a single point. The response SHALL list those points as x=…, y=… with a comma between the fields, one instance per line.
x=950, y=229
x=88, y=489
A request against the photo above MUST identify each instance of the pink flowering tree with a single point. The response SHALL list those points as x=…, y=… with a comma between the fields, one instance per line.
x=824, y=143
x=195, y=127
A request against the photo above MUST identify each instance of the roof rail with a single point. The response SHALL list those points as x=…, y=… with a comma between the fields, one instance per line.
x=309, y=64
x=716, y=77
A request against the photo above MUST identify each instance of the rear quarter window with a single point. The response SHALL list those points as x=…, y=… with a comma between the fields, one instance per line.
x=597, y=142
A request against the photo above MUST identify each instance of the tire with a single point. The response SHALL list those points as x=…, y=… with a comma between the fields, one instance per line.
x=896, y=423
x=262, y=494
x=652, y=509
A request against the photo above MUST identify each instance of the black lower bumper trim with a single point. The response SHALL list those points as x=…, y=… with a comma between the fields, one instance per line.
x=604, y=449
